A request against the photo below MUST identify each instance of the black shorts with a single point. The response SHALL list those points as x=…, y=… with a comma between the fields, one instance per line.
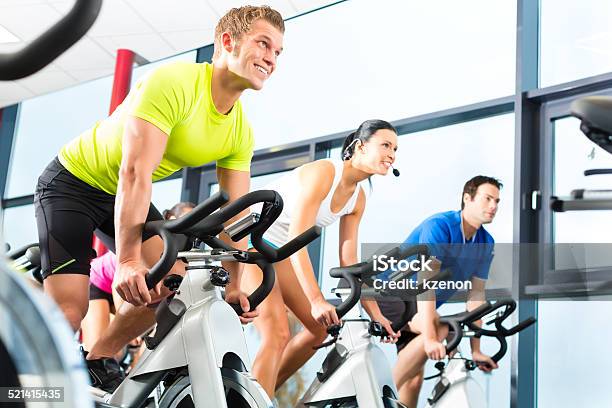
x=96, y=293
x=397, y=311
x=68, y=212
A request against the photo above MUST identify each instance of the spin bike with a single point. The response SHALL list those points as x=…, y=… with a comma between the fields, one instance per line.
x=198, y=354
x=455, y=387
x=356, y=373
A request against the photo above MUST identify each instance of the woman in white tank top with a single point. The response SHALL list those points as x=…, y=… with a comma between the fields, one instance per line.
x=320, y=193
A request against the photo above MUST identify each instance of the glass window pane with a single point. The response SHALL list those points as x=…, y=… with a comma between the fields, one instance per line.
x=574, y=40
x=389, y=59
x=574, y=153
x=48, y=122
x=572, y=338
x=166, y=193
x=19, y=226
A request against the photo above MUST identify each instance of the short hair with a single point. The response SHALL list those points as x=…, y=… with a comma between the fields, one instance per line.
x=238, y=21
x=471, y=186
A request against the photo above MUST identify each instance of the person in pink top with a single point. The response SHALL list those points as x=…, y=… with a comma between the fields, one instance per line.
x=102, y=299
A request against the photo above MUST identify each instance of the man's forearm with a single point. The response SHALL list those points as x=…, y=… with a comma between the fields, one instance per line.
x=131, y=208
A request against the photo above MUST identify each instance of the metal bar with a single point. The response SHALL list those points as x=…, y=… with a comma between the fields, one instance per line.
x=8, y=120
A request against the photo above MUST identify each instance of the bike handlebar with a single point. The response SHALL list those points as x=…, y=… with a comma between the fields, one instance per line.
x=205, y=222
x=354, y=274
x=52, y=43
x=469, y=318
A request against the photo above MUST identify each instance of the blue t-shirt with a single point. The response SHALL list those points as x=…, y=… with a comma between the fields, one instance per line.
x=465, y=258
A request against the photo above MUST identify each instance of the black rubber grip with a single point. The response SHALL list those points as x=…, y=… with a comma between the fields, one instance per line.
x=52, y=43
x=521, y=326
x=456, y=336
x=262, y=291
x=294, y=245
x=163, y=266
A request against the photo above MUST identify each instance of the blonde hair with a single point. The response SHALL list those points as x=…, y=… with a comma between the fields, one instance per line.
x=238, y=21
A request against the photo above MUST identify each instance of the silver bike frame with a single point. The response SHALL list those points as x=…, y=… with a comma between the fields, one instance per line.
x=364, y=371
x=207, y=333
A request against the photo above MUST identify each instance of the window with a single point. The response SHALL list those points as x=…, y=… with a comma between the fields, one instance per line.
x=386, y=59
x=574, y=40
x=579, y=232
x=569, y=331
x=19, y=226
x=48, y=122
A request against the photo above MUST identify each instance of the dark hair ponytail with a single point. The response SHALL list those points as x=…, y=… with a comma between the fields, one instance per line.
x=363, y=133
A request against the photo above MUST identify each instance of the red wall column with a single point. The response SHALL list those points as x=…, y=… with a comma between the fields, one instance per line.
x=121, y=87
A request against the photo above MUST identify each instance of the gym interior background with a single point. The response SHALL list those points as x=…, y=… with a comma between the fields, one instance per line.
x=474, y=87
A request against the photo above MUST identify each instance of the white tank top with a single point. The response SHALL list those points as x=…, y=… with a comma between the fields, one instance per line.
x=288, y=187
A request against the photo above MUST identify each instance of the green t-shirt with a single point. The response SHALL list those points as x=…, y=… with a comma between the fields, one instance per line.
x=177, y=99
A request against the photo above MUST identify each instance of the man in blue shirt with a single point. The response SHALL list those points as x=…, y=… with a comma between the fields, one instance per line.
x=462, y=245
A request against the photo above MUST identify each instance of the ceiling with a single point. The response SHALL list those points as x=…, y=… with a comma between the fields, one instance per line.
x=154, y=29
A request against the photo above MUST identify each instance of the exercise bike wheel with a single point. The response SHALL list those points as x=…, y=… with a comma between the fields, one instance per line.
x=179, y=394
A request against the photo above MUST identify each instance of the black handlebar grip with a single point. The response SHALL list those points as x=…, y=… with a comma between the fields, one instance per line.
x=297, y=243
x=457, y=334
x=501, y=337
x=503, y=348
x=52, y=43
x=262, y=291
x=352, y=300
x=163, y=266
x=521, y=326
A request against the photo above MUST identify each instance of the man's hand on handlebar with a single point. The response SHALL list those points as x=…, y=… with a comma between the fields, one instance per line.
x=131, y=285
x=324, y=312
x=434, y=349
x=235, y=295
x=485, y=363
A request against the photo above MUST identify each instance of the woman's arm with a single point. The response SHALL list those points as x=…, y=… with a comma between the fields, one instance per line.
x=315, y=182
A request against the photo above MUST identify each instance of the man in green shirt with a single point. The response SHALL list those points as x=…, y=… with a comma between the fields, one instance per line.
x=180, y=115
